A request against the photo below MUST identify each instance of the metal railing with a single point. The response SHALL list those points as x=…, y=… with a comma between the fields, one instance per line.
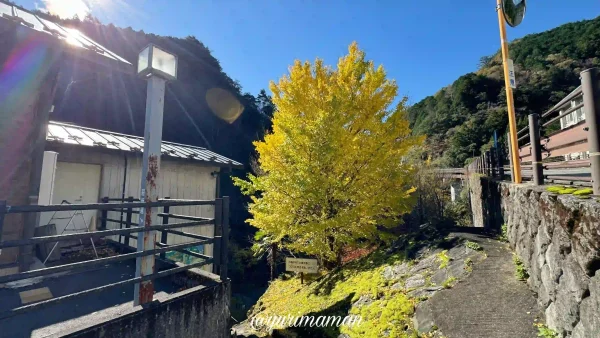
x=219, y=240
x=452, y=172
x=545, y=155
x=490, y=163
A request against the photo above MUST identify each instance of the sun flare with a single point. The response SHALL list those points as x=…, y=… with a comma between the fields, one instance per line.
x=67, y=8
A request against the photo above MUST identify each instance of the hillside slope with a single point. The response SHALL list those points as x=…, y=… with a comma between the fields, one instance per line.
x=460, y=119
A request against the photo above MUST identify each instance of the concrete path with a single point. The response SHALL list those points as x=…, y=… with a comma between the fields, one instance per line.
x=489, y=303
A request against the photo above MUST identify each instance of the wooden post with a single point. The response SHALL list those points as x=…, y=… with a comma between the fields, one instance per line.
x=591, y=102
x=536, y=149
x=301, y=277
x=164, y=234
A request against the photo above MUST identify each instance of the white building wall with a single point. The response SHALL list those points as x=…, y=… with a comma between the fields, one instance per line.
x=177, y=179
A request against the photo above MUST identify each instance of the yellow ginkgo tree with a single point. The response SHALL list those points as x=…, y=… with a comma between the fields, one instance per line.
x=334, y=170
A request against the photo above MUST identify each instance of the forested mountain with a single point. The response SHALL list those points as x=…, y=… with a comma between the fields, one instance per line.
x=460, y=119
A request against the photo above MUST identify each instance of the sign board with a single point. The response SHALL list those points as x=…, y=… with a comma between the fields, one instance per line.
x=511, y=74
x=305, y=265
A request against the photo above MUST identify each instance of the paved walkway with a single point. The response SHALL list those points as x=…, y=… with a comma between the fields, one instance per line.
x=489, y=303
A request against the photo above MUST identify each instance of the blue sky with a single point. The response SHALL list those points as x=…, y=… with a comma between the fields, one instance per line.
x=424, y=45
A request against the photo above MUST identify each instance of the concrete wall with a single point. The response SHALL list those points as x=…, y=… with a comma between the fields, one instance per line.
x=558, y=239
x=178, y=179
x=198, y=312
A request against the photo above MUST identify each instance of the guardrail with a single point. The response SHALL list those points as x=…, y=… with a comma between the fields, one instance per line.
x=452, y=172
x=219, y=240
x=490, y=163
x=543, y=151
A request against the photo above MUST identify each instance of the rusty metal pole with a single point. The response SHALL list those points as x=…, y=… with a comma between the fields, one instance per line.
x=218, y=236
x=590, y=86
x=144, y=291
x=536, y=149
x=225, y=238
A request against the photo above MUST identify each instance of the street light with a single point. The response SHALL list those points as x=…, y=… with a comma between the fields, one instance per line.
x=153, y=60
x=156, y=66
x=513, y=12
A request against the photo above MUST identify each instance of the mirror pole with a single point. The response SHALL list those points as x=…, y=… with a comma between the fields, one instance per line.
x=509, y=98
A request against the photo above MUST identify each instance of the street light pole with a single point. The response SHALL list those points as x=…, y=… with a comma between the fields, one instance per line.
x=149, y=192
x=156, y=66
x=512, y=124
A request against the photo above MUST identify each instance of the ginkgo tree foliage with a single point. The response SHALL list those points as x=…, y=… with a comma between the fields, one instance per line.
x=333, y=171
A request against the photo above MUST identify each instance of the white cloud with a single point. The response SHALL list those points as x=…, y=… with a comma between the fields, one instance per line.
x=66, y=8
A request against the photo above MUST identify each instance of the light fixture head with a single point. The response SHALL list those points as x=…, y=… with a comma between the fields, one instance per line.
x=153, y=60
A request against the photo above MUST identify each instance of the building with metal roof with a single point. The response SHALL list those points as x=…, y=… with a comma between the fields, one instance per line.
x=72, y=134
x=85, y=165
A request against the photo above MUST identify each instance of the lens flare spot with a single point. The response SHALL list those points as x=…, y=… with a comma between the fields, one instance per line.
x=224, y=104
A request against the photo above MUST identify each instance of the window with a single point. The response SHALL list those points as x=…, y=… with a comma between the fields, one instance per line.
x=579, y=113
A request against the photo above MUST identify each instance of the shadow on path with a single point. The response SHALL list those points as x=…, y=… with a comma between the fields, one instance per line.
x=490, y=302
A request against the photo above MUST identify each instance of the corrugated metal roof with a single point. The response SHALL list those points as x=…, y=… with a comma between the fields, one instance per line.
x=72, y=39
x=76, y=135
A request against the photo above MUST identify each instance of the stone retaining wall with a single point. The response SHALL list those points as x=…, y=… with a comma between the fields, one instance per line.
x=558, y=239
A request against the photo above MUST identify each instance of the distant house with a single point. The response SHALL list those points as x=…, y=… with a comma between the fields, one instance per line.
x=571, y=120
x=83, y=165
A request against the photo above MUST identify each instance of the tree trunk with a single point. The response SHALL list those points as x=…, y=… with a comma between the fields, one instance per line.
x=273, y=261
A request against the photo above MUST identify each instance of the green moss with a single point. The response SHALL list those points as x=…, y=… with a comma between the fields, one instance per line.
x=520, y=271
x=391, y=314
x=443, y=259
x=332, y=294
x=448, y=283
x=469, y=264
x=503, y=236
x=428, y=281
x=473, y=246
x=545, y=332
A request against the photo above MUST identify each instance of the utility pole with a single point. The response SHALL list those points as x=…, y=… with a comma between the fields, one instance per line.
x=512, y=123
